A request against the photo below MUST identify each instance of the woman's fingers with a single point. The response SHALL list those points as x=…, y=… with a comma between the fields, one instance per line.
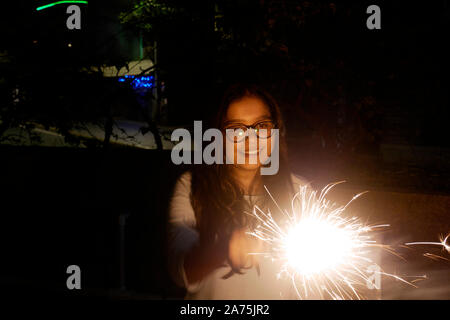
x=237, y=249
x=244, y=249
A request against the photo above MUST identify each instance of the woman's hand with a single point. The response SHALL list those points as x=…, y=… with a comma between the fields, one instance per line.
x=241, y=247
x=205, y=258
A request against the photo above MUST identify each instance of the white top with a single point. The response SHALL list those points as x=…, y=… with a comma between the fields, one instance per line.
x=249, y=285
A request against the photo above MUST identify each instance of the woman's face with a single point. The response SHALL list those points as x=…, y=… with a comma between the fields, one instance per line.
x=248, y=111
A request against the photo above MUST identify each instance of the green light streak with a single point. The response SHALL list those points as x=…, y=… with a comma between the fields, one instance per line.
x=58, y=2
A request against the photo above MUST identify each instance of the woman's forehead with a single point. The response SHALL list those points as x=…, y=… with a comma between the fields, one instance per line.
x=247, y=109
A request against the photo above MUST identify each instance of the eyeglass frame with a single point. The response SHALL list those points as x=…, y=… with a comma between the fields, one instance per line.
x=252, y=127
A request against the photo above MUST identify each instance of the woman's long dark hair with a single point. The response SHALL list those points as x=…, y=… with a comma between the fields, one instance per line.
x=217, y=199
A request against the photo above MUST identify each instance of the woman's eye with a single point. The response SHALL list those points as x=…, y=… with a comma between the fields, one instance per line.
x=265, y=126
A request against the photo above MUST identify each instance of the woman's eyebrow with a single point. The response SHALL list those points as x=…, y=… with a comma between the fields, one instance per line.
x=266, y=117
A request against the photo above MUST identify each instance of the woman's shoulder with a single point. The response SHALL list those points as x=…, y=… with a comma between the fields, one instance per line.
x=183, y=184
x=185, y=178
x=183, y=181
x=180, y=205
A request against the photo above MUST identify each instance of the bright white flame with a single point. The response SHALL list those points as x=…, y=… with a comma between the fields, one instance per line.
x=316, y=245
x=323, y=251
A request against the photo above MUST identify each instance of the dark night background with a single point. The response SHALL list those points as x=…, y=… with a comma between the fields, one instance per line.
x=367, y=106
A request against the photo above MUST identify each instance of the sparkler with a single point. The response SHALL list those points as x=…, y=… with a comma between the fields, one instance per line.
x=443, y=243
x=324, y=251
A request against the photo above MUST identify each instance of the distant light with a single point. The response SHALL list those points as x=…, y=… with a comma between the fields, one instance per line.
x=35, y=41
x=69, y=45
x=138, y=82
x=58, y=2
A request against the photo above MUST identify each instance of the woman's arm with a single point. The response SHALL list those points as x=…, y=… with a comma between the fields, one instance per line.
x=203, y=259
x=190, y=261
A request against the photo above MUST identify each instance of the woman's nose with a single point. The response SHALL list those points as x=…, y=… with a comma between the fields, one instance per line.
x=251, y=141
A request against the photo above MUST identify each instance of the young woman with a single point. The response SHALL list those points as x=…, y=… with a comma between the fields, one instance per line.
x=208, y=244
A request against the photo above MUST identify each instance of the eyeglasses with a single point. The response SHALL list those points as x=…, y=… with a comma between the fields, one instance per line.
x=262, y=130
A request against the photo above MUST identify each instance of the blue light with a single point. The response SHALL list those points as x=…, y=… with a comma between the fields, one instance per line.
x=138, y=82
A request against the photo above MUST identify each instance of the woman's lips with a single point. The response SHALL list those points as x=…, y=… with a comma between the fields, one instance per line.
x=250, y=152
